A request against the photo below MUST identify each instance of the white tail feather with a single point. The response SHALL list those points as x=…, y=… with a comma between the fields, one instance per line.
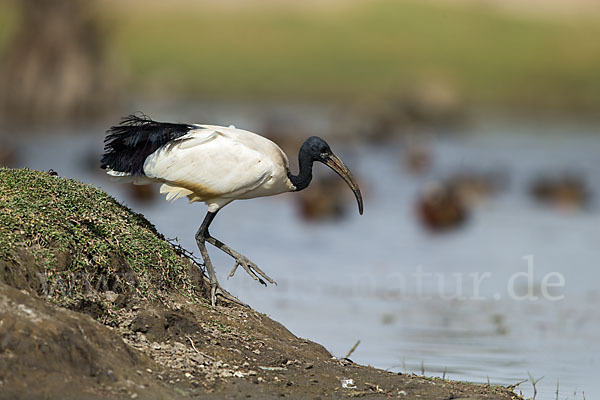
x=112, y=172
x=173, y=192
x=125, y=177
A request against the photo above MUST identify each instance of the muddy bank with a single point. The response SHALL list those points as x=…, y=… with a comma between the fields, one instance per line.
x=94, y=303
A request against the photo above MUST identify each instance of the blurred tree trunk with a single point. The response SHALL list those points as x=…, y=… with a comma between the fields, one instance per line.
x=55, y=70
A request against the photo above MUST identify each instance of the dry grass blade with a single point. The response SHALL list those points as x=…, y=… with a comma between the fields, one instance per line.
x=352, y=349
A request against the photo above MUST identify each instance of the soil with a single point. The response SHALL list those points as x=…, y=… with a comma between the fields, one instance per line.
x=105, y=343
x=184, y=350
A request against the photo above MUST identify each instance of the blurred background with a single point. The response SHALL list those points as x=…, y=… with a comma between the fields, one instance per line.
x=473, y=127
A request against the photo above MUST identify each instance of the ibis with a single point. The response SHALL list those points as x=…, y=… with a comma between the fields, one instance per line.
x=215, y=165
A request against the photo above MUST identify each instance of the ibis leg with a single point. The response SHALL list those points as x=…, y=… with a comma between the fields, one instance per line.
x=215, y=288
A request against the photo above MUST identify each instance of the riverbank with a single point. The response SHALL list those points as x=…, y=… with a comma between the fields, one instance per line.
x=94, y=303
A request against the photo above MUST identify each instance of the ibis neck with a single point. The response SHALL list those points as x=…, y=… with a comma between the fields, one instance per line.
x=305, y=163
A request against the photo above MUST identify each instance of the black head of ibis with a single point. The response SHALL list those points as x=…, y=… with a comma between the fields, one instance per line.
x=316, y=149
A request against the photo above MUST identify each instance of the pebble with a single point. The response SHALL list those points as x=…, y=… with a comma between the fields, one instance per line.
x=110, y=295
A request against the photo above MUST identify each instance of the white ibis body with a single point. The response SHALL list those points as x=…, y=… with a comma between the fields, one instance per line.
x=215, y=165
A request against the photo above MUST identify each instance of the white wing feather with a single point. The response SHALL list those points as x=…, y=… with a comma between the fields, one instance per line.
x=213, y=162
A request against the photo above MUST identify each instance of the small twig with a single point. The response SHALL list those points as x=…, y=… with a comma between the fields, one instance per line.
x=444, y=373
x=557, y=389
x=488, y=380
x=352, y=349
x=423, y=367
x=180, y=251
x=196, y=350
x=192, y=343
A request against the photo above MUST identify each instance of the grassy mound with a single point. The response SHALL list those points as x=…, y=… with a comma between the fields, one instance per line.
x=76, y=244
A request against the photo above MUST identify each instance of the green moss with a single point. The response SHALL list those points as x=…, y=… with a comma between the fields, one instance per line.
x=218, y=325
x=85, y=240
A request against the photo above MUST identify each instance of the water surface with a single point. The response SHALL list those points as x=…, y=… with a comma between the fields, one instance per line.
x=358, y=278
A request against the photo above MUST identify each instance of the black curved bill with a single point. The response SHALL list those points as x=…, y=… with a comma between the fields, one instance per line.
x=333, y=162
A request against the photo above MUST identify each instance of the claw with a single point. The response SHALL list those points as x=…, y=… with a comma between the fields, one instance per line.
x=251, y=268
x=232, y=272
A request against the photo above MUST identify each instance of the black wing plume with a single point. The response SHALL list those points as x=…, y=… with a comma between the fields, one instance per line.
x=127, y=145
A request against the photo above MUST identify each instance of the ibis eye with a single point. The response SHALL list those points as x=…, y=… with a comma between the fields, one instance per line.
x=324, y=154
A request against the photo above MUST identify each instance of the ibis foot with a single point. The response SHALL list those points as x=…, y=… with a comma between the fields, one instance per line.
x=217, y=290
x=215, y=287
x=241, y=260
x=251, y=268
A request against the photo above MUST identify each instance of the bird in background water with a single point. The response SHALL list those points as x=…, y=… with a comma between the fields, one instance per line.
x=215, y=165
